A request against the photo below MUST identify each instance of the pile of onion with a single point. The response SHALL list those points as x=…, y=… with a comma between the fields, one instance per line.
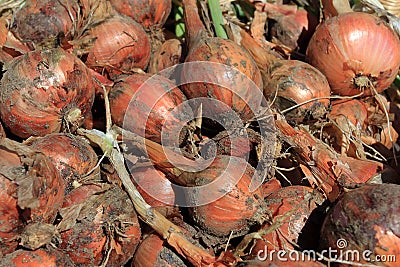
x=45, y=91
x=357, y=52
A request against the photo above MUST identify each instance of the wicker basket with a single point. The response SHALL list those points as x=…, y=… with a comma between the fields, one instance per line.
x=393, y=6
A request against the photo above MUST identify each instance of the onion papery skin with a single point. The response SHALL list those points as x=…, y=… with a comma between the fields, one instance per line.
x=354, y=111
x=73, y=157
x=2, y=133
x=10, y=225
x=148, y=13
x=169, y=54
x=44, y=22
x=45, y=91
x=285, y=200
x=41, y=257
x=367, y=218
x=354, y=51
x=143, y=92
x=104, y=212
x=117, y=45
x=294, y=82
x=235, y=211
x=30, y=191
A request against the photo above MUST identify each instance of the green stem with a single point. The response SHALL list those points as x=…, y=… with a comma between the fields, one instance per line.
x=216, y=16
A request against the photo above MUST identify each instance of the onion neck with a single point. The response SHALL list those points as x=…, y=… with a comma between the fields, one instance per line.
x=332, y=8
x=195, y=29
x=264, y=59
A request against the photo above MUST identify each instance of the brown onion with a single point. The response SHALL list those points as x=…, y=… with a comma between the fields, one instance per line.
x=290, y=82
x=148, y=13
x=169, y=54
x=45, y=91
x=295, y=82
x=357, y=52
x=155, y=189
x=152, y=252
x=45, y=22
x=31, y=190
x=365, y=219
x=41, y=257
x=73, y=157
x=236, y=210
x=116, y=45
x=295, y=29
x=141, y=102
x=295, y=201
x=95, y=220
x=229, y=83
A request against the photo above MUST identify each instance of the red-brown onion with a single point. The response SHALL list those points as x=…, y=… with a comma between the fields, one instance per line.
x=45, y=22
x=357, y=52
x=106, y=222
x=45, y=91
x=141, y=103
x=116, y=45
x=148, y=13
x=230, y=81
x=73, y=157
